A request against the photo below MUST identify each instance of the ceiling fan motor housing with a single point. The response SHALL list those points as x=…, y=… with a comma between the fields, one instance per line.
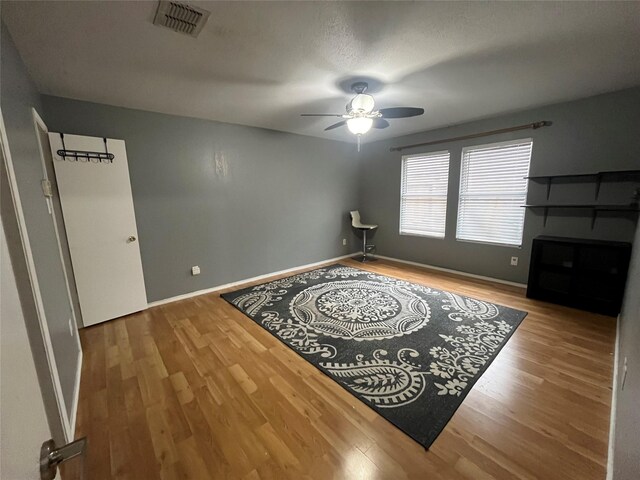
x=359, y=87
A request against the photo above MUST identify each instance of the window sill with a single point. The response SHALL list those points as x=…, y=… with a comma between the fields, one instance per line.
x=422, y=235
x=493, y=244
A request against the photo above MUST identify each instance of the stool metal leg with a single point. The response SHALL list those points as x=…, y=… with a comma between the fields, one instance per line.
x=364, y=245
x=364, y=257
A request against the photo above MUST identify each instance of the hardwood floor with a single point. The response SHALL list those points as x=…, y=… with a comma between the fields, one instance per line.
x=194, y=389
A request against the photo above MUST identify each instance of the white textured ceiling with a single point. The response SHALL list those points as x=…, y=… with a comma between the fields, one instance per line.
x=264, y=63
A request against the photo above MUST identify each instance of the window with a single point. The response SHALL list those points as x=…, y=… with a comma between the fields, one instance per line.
x=492, y=190
x=423, y=202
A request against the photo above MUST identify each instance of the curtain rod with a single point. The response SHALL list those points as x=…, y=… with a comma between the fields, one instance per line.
x=527, y=126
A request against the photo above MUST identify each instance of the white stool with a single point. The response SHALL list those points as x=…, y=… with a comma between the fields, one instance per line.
x=364, y=228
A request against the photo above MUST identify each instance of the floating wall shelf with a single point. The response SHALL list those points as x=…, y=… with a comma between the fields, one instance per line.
x=598, y=177
x=633, y=208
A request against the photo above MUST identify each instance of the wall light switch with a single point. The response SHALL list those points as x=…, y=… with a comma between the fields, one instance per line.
x=514, y=261
x=195, y=270
x=46, y=188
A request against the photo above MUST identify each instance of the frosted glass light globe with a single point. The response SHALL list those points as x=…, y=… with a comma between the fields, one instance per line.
x=359, y=125
x=362, y=103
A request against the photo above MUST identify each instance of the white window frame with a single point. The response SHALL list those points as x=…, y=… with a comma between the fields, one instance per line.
x=446, y=195
x=526, y=186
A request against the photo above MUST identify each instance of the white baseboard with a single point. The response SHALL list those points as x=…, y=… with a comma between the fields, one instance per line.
x=614, y=403
x=246, y=280
x=456, y=272
x=76, y=396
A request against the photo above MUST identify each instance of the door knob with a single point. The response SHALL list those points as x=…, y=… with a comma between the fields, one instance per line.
x=131, y=239
x=51, y=456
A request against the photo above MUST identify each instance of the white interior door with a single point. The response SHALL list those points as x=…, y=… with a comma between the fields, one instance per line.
x=24, y=418
x=100, y=222
x=24, y=423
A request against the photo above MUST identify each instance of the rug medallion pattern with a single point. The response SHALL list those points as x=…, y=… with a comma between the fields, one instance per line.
x=409, y=351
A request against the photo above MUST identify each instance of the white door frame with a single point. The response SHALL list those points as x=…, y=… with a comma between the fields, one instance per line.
x=39, y=123
x=68, y=427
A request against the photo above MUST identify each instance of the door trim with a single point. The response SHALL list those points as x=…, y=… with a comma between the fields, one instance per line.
x=33, y=280
x=76, y=397
x=39, y=123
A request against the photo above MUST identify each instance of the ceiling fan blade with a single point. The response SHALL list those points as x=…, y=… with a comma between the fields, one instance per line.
x=380, y=123
x=336, y=125
x=401, y=112
x=321, y=115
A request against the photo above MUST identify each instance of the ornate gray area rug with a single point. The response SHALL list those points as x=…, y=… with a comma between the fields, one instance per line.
x=410, y=352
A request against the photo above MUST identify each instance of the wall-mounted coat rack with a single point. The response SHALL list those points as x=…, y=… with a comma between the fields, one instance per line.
x=85, y=156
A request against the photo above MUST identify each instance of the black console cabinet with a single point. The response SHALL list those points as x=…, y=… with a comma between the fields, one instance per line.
x=586, y=274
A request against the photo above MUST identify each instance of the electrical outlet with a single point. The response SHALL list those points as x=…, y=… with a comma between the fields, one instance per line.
x=624, y=374
x=344, y=241
x=70, y=327
x=195, y=270
x=514, y=261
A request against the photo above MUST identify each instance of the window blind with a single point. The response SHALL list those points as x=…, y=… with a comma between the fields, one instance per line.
x=492, y=190
x=423, y=203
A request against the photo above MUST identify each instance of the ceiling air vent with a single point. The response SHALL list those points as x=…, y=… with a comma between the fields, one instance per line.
x=180, y=17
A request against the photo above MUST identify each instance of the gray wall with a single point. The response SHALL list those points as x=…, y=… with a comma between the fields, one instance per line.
x=18, y=95
x=626, y=454
x=240, y=201
x=598, y=133
x=237, y=201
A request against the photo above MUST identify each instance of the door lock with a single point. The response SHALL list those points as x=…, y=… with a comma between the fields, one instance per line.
x=52, y=456
x=131, y=239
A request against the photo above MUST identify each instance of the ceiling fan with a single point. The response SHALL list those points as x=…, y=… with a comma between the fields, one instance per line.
x=361, y=116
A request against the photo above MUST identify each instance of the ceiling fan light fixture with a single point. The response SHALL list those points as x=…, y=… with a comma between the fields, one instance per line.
x=362, y=103
x=361, y=116
x=359, y=125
